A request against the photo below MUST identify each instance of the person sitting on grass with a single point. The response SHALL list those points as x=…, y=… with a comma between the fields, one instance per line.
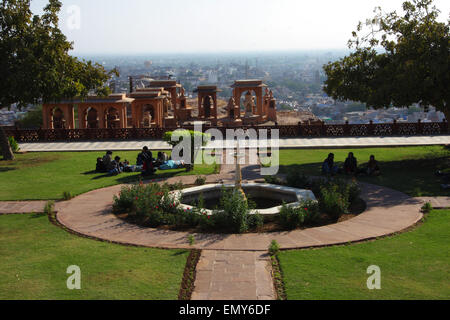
x=350, y=164
x=372, y=167
x=162, y=158
x=115, y=166
x=328, y=166
x=104, y=163
x=145, y=158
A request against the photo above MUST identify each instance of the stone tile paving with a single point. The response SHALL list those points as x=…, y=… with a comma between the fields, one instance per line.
x=233, y=275
x=437, y=202
x=7, y=207
x=328, y=142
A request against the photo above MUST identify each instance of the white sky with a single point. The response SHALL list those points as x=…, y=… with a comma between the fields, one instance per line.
x=175, y=26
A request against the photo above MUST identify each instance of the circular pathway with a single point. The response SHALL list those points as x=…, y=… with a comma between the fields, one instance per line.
x=388, y=211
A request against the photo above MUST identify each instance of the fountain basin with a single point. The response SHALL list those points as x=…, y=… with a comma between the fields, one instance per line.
x=213, y=192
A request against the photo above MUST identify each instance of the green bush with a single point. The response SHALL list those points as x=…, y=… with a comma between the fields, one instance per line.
x=67, y=195
x=333, y=202
x=200, y=180
x=297, y=179
x=427, y=207
x=273, y=180
x=274, y=248
x=234, y=212
x=255, y=221
x=14, y=145
x=48, y=208
x=293, y=217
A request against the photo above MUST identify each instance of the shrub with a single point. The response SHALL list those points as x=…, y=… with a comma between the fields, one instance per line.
x=255, y=221
x=200, y=180
x=191, y=240
x=333, y=202
x=293, y=217
x=297, y=179
x=273, y=180
x=67, y=195
x=48, y=208
x=274, y=248
x=234, y=212
x=14, y=145
x=427, y=207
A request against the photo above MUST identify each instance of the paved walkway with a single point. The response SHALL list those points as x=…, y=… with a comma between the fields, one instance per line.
x=7, y=207
x=328, y=142
x=388, y=211
x=233, y=275
x=437, y=202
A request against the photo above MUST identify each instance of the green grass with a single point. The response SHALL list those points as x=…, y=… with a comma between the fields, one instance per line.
x=42, y=176
x=35, y=255
x=407, y=169
x=414, y=265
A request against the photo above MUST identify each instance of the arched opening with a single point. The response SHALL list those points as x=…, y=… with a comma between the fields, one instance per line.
x=208, y=103
x=248, y=103
x=112, y=118
x=58, y=119
x=91, y=118
x=148, y=116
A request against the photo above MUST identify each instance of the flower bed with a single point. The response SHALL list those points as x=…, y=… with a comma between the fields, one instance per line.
x=155, y=205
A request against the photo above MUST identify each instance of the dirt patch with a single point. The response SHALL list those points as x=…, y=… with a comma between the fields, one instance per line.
x=34, y=160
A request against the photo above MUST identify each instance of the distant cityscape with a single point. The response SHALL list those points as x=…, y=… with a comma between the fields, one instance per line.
x=296, y=79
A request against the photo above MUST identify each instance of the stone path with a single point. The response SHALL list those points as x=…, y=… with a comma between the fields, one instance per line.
x=233, y=275
x=437, y=202
x=7, y=207
x=326, y=142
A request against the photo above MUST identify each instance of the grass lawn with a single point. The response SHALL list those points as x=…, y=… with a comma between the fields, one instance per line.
x=35, y=255
x=407, y=169
x=414, y=265
x=42, y=175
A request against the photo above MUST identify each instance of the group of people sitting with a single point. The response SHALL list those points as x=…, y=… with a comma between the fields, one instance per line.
x=350, y=166
x=145, y=163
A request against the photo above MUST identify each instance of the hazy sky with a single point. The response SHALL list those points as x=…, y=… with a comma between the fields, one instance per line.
x=174, y=26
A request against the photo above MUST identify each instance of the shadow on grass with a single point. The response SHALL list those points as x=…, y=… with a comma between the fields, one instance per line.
x=5, y=169
x=415, y=177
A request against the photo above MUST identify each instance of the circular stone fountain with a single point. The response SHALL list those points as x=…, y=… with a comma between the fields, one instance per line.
x=267, y=197
x=254, y=191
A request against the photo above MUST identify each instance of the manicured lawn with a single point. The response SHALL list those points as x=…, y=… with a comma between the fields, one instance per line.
x=407, y=169
x=41, y=175
x=35, y=255
x=414, y=265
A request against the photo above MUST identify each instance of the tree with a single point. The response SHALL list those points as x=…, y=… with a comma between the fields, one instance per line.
x=35, y=62
x=413, y=66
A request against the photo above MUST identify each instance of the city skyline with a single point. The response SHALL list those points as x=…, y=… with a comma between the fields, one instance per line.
x=213, y=26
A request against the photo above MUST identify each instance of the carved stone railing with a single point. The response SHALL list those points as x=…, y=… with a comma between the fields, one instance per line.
x=300, y=130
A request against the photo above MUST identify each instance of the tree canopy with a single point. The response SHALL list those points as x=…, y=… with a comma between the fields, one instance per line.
x=398, y=60
x=36, y=65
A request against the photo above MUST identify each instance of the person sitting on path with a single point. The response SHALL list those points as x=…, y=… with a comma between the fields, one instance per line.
x=328, y=166
x=372, y=167
x=350, y=164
